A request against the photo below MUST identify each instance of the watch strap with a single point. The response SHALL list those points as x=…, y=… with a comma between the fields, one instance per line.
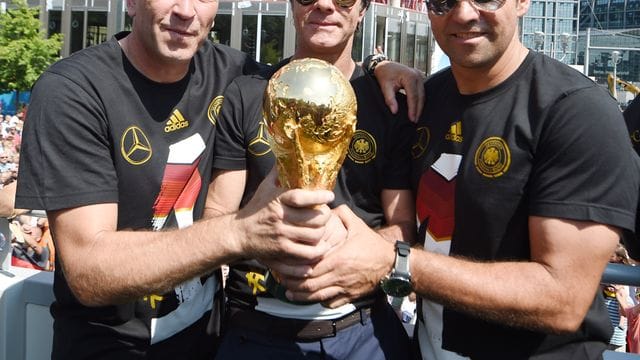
x=370, y=62
x=401, y=266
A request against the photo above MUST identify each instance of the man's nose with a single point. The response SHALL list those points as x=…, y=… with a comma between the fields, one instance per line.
x=184, y=9
x=464, y=11
x=325, y=4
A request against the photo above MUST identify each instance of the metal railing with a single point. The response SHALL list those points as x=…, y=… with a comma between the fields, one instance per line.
x=622, y=275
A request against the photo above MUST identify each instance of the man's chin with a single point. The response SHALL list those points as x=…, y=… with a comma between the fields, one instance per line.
x=180, y=54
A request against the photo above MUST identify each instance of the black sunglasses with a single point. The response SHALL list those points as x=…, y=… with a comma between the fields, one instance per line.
x=342, y=3
x=441, y=7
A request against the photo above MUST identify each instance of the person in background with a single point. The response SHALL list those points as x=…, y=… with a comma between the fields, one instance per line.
x=630, y=309
x=632, y=119
x=517, y=222
x=6, y=122
x=613, y=303
x=9, y=148
x=30, y=248
x=14, y=136
x=5, y=163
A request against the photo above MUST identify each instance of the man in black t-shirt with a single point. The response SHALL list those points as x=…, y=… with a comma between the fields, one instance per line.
x=374, y=181
x=118, y=150
x=525, y=180
x=632, y=119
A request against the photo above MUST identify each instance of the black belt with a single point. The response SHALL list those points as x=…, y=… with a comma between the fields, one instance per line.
x=296, y=329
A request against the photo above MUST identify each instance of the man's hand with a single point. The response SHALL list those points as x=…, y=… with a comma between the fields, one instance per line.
x=347, y=272
x=286, y=225
x=334, y=236
x=392, y=77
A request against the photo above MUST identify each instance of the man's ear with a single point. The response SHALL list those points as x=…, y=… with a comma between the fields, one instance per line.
x=131, y=7
x=522, y=6
x=362, y=12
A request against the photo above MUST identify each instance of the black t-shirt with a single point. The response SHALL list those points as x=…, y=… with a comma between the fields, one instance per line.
x=98, y=131
x=545, y=142
x=632, y=119
x=378, y=158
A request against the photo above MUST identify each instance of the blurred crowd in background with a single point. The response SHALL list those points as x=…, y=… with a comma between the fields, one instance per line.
x=30, y=238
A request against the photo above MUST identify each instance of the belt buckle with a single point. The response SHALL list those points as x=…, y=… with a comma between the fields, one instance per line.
x=334, y=328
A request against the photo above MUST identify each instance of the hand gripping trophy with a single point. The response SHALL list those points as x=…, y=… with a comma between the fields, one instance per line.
x=310, y=112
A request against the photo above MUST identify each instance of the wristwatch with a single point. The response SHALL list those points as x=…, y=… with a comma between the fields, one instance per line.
x=398, y=282
x=370, y=62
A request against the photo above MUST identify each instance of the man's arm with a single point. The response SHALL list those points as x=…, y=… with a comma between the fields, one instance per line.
x=552, y=292
x=225, y=192
x=7, y=201
x=105, y=266
x=399, y=212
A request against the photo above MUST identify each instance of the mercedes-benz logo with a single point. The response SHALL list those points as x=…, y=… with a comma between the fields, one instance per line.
x=135, y=146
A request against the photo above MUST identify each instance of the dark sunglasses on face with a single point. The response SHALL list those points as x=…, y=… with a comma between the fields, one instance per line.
x=345, y=4
x=441, y=7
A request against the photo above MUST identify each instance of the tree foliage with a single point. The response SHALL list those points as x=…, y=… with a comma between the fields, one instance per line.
x=25, y=51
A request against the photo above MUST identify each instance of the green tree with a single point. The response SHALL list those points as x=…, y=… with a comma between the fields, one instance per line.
x=25, y=51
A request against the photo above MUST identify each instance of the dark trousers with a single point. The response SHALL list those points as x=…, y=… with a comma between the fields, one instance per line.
x=378, y=337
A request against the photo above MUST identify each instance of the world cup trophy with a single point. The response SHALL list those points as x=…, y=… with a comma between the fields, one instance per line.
x=310, y=111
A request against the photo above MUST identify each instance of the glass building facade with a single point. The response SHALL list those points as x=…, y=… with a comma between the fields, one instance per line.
x=551, y=27
x=609, y=42
x=263, y=29
x=581, y=33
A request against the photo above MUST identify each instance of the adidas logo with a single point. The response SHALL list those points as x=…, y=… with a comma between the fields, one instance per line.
x=176, y=122
x=455, y=132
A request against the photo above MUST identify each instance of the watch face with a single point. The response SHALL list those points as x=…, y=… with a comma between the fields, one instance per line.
x=397, y=287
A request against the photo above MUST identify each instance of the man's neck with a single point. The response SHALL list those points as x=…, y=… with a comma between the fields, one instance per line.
x=149, y=64
x=473, y=80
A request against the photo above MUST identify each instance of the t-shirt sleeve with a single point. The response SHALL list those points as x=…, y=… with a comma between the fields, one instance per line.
x=584, y=163
x=252, y=67
x=65, y=159
x=229, y=145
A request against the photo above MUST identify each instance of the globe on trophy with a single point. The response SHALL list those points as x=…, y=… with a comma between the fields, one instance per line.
x=310, y=111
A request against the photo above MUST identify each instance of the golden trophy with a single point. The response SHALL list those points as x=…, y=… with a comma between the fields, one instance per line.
x=310, y=112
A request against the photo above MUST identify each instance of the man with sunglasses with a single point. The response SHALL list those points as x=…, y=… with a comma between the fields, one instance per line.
x=374, y=181
x=525, y=180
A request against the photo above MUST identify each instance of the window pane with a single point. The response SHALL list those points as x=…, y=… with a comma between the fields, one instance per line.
x=249, y=27
x=221, y=32
x=393, y=47
x=410, y=45
x=77, y=26
x=422, y=47
x=96, y=28
x=54, y=22
x=272, y=39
